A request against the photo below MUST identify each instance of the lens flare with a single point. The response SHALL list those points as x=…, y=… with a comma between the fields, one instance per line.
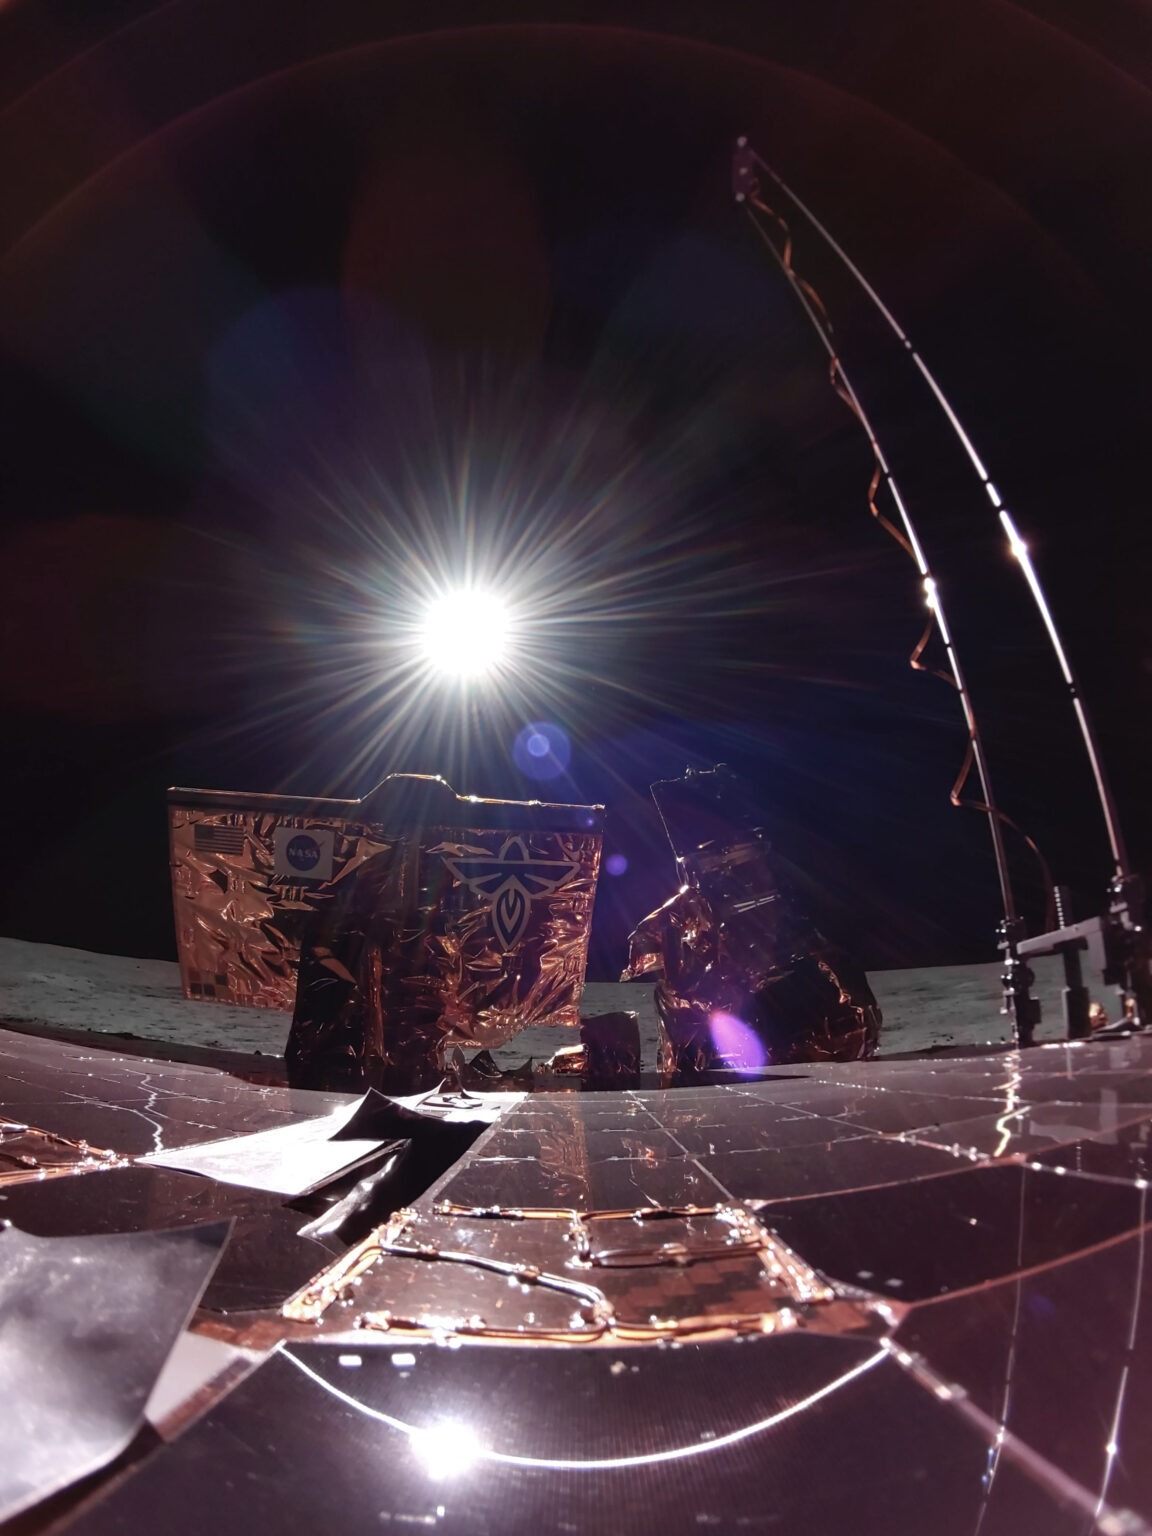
x=446, y=1450
x=739, y=1045
x=542, y=750
x=465, y=633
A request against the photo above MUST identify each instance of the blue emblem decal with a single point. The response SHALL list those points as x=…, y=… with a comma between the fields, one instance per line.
x=303, y=853
x=509, y=883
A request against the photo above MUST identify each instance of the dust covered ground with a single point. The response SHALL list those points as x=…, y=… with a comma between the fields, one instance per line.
x=47, y=987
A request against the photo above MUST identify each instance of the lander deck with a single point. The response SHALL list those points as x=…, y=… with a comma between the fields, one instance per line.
x=904, y=1295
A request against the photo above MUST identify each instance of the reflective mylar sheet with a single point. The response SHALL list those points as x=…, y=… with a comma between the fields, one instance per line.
x=239, y=907
x=86, y=1324
x=899, y=1296
x=449, y=937
x=249, y=872
x=746, y=979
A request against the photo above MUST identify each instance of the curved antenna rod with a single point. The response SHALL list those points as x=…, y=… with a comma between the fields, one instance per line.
x=748, y=157
x=746, y=192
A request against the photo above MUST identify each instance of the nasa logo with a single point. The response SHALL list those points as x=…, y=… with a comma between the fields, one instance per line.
x=303, y=853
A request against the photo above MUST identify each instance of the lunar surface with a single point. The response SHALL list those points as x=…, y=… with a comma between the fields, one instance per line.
x=43, y=986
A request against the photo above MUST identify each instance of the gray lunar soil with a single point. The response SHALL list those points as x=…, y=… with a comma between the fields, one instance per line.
x=47, y=987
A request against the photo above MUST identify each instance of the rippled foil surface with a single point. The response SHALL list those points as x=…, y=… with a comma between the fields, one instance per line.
x=454, y=936
x=28, y=1154
x=746, y=978
x=238, y=921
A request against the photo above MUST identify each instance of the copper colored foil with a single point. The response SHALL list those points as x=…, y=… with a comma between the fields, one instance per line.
x=543, y=1277
x=503, y=905
x=468, y=924
x=611, y=1046
x=28, y=1154
x=240, y=914
x=746, y=978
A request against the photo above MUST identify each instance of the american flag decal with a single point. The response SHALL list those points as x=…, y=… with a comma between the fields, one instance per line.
x=211, y=839
x=509, y=883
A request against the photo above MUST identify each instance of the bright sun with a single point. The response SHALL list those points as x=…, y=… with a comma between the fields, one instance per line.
x=465, y=633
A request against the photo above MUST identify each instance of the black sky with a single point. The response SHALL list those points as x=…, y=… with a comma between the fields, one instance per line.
x=277, y=286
